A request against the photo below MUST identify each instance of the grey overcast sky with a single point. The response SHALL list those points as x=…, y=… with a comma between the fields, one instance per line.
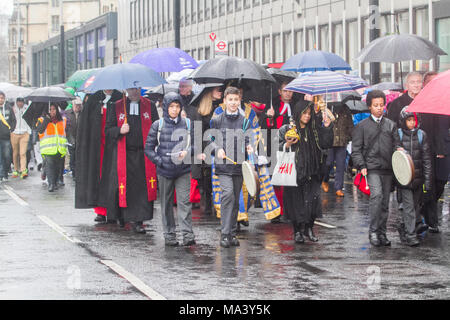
x=7, y=5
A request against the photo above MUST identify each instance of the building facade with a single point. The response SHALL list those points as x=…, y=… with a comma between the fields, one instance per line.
x=4, y=69
x=35, y=21
x=92, y=45
x=268, y=31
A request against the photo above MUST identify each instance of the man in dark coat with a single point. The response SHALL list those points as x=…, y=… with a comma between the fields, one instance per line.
x=7, y=125
x=71, y=130
x=413, y=85
x=91, y=150
x=131, y=181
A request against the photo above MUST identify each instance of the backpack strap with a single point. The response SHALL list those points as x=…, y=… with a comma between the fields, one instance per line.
x=160, y=126
x=420, y=136
x=400, y=133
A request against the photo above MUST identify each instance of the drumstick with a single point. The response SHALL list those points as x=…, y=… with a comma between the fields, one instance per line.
x=235, y=163
x=367, y=185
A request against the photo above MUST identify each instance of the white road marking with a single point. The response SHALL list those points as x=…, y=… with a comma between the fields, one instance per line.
x=136, y=282
x=12, y=194
x=59, y=229
x=329, y=226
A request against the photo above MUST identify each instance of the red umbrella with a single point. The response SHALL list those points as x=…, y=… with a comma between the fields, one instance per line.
x=435, y=97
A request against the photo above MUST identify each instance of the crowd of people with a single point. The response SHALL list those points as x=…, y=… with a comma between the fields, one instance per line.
x=126, y=150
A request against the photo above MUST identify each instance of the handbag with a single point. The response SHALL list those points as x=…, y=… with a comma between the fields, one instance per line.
x=285, y=173
x=361, y=182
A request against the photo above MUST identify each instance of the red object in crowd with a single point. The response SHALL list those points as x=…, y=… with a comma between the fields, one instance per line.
x=276, y=65
x=361, y=183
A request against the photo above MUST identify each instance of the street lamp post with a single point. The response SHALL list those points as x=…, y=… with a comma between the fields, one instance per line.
x=374, y=25
x=176, y=21
x=61, y=45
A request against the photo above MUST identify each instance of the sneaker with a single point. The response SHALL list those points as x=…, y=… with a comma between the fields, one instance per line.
x=226, y=241
x=188, y=242
x=171, y=242
x=433, y=229
x=24, y=174
x=15, y=174
x=234, y=242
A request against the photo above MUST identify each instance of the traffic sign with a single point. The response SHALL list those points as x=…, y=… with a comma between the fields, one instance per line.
x=213, y=36
x=222, y=46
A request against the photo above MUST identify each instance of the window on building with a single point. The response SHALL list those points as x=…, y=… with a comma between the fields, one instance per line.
x=338, y=39
x=55, y=23
x=352, y=44
x=299, y=42
x=277, y=48
x=257, y=50
x=201, y=9
x=443, y=41
x=267, y=50
x=248, y=49
x=324, y=38
x=311, y=39
x=55, y=3
x=288, y=48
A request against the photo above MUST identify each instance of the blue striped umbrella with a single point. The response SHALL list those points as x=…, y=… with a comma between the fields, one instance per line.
x=322, y=82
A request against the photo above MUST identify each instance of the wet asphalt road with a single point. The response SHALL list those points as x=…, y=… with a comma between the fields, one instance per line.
x=37, y=262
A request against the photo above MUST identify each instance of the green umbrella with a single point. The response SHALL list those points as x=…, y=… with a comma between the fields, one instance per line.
x=79, y=77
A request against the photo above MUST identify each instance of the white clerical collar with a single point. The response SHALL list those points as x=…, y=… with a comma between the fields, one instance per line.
x=108, y=97
x=377, y=119
x=232, y=113
x=134, y=108
x=286, y=107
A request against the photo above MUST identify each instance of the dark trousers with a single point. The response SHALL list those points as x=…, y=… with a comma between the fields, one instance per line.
x=72, y=159
x=380, y=190
x=205, y=186
x=229, y=203
x=5, y=157
x=53, y=166
x=411, y=208
x=338, y=155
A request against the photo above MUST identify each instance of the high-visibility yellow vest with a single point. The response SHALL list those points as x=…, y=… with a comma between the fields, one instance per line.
x=53, y=139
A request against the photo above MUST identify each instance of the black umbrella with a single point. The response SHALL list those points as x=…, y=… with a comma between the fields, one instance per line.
x=157, y=93
x=387, y=86
x=41, y=98
x=49, y=94
x=399, y=47
x=354, y=102
x=224, y=69
x=282, y=76
x=203, y=87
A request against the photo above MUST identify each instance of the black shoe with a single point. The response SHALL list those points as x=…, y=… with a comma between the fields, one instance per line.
x=421, y=227
x=402, y=232
x=225, y=242
x=433, y=229
x=411, y=240
x=171, y=242
x=100, y=218
x=51, y=188
x=373, y=238
x=234, y=242
x=311, y=236
x=299, y=238
x=121, y=223
x=39, y=167
x=276, y=220
x=187, y=242
x=139, y=228
x=244, y=223
x=384, y=241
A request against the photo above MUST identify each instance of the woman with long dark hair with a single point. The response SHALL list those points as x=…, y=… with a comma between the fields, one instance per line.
x=314, y=134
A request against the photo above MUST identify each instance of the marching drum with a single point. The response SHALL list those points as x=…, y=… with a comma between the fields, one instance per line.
x=403, y=167
x=251, y=178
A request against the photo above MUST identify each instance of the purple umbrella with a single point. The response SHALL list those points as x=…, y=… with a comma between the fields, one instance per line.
x=165, y=60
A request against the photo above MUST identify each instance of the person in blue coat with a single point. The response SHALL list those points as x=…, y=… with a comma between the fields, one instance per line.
x=168, y=146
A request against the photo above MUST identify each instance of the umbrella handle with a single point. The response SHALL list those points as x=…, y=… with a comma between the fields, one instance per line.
x=125, y=107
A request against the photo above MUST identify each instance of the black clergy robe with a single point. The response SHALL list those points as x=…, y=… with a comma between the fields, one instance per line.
x=138, y=207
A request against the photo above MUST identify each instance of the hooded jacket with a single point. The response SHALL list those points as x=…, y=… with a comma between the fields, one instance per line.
x=163, y=152
x=10, y=118
x=420, y=153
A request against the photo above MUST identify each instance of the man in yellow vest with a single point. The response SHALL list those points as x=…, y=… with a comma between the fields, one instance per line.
x=53, y=144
